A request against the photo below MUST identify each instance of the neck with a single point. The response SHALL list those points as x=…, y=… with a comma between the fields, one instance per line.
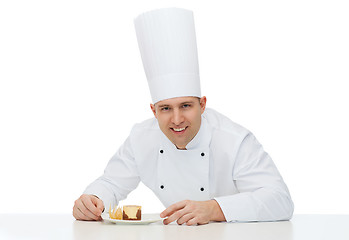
x=180, y=148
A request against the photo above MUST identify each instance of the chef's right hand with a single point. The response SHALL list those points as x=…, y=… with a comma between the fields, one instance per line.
x=88, y=207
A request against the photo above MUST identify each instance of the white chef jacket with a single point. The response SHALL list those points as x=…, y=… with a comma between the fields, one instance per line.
x=224, y=161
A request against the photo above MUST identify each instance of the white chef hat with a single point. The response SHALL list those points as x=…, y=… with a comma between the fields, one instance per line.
x=167, y=42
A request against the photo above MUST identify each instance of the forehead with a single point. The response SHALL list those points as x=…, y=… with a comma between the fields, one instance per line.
x=176, y=101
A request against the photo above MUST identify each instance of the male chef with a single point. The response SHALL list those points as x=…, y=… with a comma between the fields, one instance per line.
x=202, y=166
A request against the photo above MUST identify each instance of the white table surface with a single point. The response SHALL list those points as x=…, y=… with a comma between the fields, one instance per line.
x=51, y=226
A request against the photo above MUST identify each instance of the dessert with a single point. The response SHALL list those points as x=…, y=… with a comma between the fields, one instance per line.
x=132, y=212
x=115, y=213
x=127, y=212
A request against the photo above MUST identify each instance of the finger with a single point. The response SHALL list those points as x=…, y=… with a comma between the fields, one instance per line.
x=84, y=210
x=99, y=204
x=175, y=216
x=192, y=222
x=185, y=218
x=80, y=215
x=173, y=208
x=76, y=212
x=76, y=216
x=83, y=216
x=93, y=211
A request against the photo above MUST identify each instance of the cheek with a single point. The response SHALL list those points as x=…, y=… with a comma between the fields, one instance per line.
x=195, y=118
x=163, y=121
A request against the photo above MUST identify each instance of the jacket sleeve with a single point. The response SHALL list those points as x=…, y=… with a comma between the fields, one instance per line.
x=119, y=179
x=263, y=195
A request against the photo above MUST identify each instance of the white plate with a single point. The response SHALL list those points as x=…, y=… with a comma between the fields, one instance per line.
x=146, y=219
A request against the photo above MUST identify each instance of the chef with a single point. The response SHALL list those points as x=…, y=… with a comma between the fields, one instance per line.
x=202, y=166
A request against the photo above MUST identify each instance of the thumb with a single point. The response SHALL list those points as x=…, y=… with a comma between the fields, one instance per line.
x=98, y=203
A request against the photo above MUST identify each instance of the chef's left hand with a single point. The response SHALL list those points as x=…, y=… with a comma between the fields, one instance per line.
x=193, y=212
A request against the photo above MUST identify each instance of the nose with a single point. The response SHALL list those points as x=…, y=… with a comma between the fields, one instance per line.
x=177, y=117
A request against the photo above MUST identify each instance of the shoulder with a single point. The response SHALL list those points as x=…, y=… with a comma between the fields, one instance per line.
x=222, y=124
x=148, y=124
x=145, y=127
x=145, y=132
x=144, y=137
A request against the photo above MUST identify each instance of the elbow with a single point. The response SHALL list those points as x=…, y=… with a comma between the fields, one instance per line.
x=289, y=209
x=286, y=208
x=277, y=206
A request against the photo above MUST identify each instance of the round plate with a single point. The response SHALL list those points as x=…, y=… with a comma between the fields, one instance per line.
x=146, y=219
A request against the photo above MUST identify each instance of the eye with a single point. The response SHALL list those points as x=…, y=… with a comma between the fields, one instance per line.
x=164, y=109
x=186, y=105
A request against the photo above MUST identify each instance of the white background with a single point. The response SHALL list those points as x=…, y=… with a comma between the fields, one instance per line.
x=72, y=85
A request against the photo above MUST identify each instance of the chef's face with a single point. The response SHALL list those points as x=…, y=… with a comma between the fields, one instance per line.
x=179, y=118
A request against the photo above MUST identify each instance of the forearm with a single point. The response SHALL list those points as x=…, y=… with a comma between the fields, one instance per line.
x=261, y=205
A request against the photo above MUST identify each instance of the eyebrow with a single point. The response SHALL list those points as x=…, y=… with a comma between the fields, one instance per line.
x=163, y=105
x=191, y=102
x=183, y=103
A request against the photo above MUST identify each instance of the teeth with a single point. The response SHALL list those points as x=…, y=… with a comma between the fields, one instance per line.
x=178, y=129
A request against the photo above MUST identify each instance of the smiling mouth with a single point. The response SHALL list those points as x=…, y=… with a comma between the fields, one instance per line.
x=178, y=130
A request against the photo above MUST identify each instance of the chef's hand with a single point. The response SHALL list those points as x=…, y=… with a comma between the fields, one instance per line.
x=88, y=207
x=193, y=212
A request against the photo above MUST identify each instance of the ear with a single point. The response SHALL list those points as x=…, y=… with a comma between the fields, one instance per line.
x=203, y=101
x=152, y=106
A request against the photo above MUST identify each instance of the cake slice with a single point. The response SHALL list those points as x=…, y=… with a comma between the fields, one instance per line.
x=132, y=212
x=115, y=213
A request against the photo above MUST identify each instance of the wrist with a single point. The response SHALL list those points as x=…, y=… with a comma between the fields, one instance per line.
x=216, y=212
